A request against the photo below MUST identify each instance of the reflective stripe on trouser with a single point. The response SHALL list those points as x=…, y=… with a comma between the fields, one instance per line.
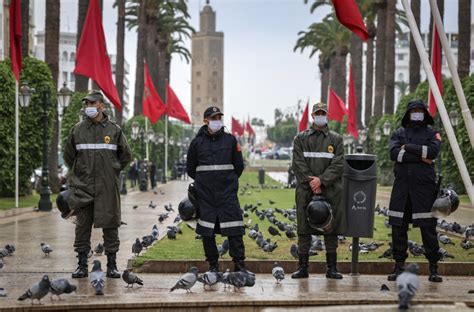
x=82, y=240
x=223, y=225
x=304, y=243
x=214, y=167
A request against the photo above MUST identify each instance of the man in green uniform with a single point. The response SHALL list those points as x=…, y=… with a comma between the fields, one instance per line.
x=318, y=155
x=95, y=152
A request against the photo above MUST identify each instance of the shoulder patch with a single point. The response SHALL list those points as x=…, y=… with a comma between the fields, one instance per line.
x=238, y=147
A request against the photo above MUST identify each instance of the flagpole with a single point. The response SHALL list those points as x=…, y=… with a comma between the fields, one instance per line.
x=466, y=113
x=146, y=141
x=17, y=145
x=166, y=147
x=439, y=102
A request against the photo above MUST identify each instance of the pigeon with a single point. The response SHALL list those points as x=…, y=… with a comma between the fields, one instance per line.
x=130, y=278
x=90, y=253
x=270, y=247
x=10, y=248
x=97, y=278
x=3, y=253
x=187, y=281
x=210, y=278
x=46, y=249
x=445, y=254
x=466, y=245
x=169, y=208
x=155, y=192
x=387, y=253
x=135, y=206
x=222, y=249
x=137, y=247
x=294, y=251
x=278, y=272
x=37, y=291
x=416, y=250
x=155, y=232
x=1, y=264
x=177, y=219
x=384, y=288
x=253, y=234
x=3, y=292
x=161, y=219
x=171, y=234
x=271, y=202
x=151, y=205
x=444, y=239
x=61, y=286
x=147, y=241
x=273, y=231
x=408, y=284
x=99, y=249
x=175, y=228
x=198, y=236
x=161, y=192
x=238, y=279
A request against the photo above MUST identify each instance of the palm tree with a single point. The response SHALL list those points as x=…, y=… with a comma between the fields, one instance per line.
x=414, y=56
x=119, y=65
x=52, y=23
x=81, y=82
x=390, y=58
x=380, y=57
x=464, y=39
x=25, y=27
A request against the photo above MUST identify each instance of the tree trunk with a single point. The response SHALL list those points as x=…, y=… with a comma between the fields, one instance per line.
x=332, y=72
x=380, y=59
x=162, y=66
x=52, y=59
x=25, y=27
x=119, y=65
x=324, y=68
x=414, y=56
x=139, y=78
x=340, y=81
x=464, y=39
x=441, y=12
x=390, y=58
x=356, y=61
x=369, y=73
x=82, y=82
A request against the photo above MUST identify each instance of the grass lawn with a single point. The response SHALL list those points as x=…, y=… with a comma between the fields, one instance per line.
x=23, y=201
x=187, y=247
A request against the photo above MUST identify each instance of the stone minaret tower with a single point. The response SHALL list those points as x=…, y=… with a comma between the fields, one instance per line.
x=207, y=70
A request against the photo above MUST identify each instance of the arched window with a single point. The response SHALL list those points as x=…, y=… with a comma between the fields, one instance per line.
x=64, y=57
x=401, y=77
x=72, y=57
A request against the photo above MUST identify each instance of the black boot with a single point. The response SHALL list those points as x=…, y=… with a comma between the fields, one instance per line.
x=112, y=271
x=239, y=266
x=82, y=269
x=302, y=271
x=213, y=265
x=434, y=277
x=331, y=266
x=399, y=269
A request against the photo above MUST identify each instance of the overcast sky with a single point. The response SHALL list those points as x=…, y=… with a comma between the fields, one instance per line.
x=261, y=72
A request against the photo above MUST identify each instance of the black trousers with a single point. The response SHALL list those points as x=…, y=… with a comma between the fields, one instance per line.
x=304, y=243
x=82, y=241
x=400, y=238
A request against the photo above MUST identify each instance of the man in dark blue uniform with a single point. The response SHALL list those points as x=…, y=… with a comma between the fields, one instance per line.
x=215, y=163
x=413, y=147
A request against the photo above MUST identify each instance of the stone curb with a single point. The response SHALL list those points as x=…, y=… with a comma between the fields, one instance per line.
x=15, y=212
x=265, y=267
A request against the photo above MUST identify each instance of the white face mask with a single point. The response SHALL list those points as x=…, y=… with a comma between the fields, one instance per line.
x=320, y=121
x=417, y=116
x=91, y=112
x=215, y=125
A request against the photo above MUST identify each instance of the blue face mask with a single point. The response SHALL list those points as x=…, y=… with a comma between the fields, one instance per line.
x=417, y=116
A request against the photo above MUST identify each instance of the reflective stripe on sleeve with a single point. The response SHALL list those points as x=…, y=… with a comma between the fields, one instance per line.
x=424, y=151
x=400, y=156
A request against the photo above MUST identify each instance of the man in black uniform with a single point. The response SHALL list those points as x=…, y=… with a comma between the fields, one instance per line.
x=413, y=147
x=215, y=163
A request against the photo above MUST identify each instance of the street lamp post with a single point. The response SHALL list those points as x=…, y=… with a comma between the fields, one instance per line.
x=45, y=199
x=363, y=138
x=386, y=128
x=64, y=98
x=378, y=135
x=142, y=143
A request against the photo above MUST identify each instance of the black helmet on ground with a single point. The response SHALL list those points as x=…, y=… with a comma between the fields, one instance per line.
x=319, y=214
x=186, y=209
x=62, y=204
x=446, y=203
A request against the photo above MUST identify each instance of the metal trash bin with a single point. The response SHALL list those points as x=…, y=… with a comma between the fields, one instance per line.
x=143, y=176
x=360, y=190
x=261, y=176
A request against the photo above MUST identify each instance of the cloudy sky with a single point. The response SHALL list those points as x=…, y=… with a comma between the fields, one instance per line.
x=261, y=71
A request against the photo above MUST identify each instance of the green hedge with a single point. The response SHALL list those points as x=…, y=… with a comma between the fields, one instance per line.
x=38, y=76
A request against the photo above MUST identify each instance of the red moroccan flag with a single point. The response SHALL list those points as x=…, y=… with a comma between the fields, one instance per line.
x=236, y=127
x=437, y=67
x=348, y=14
x=249, y=129
x=153, y=106
x=174, y=108
x=352, y=111
x=337, y=108
x=92, y=59
x=15, y=37
x=303, y=125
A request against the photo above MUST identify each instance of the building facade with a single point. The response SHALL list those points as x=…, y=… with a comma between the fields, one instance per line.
x=207, y=69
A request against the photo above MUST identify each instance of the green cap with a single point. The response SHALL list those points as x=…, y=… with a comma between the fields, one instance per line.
x=319, y=106
x=93, y=96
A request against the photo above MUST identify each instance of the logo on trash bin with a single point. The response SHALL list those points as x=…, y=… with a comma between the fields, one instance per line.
x=359, y=198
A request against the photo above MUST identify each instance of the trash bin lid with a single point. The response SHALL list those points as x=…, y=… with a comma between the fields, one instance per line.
x=360, y=157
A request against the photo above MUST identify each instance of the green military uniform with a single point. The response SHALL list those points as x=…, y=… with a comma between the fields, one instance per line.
x=319, y=153
x=95, y=154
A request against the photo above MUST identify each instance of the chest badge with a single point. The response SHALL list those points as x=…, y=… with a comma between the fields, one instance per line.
x=107, y=139
x=331, y=149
